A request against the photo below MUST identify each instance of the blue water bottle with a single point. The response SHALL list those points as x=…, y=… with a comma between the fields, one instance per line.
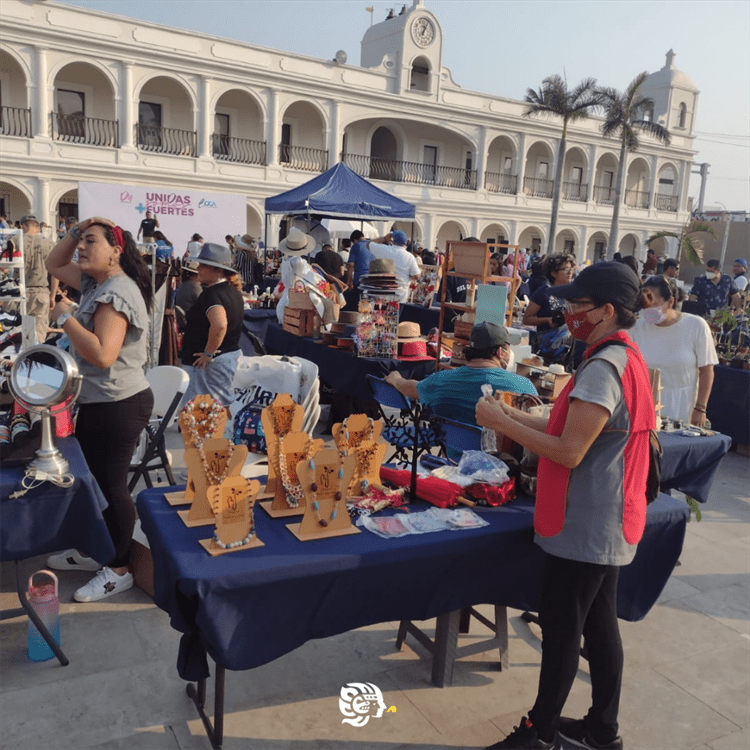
x=46, y=603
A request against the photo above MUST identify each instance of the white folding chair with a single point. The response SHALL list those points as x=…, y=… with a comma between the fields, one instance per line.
x=168, y=385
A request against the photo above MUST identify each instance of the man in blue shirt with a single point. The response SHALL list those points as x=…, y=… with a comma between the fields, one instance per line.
x=716, y=289
x=454, y=393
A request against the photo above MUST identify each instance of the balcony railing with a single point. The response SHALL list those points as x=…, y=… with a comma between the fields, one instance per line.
x=240, y=150
x=605, y=195
x=575, y=191
x=665, y=202
x=501, y=182
x=636, y=198
x=15, y=121
x=375, y=168
x=165, y=140
x=90, y=130
x=304, y=158
x=538, y=187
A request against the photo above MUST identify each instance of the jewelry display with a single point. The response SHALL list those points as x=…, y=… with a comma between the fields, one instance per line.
x=200, y=419
x=283, y=416
x=289, y=498
x=211, y=465
x=324, y=477
x=377, y=332
x=370, y=456
x=355, y=429
x=233, y=505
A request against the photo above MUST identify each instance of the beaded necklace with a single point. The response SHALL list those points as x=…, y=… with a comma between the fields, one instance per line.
x=357, y=438
x=337, y=496
x=232, y=545
x=211, y=423
x=282, y=423
x=364, y=457
x=294, y=491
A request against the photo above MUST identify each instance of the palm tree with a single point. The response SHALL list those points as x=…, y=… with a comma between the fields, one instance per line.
x=687, y=240
x=624, y=114
x=553, y=99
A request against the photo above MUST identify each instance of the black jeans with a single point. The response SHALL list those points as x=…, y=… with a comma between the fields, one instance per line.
x=579, y=599
x=108, y=433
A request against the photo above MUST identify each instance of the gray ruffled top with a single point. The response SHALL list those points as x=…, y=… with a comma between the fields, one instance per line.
x=126, y=376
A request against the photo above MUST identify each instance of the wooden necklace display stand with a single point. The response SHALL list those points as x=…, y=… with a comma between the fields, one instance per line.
x=325, y=516
x=370, y=456
x=220, y=461
x=356, y=428
x=283, y=416
x=190, y=432
x=233, y=504
x=296, y=447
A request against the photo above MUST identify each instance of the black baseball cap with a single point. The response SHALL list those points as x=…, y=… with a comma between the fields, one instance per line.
x=671, y=263
x=486, y=335
x=604, y=282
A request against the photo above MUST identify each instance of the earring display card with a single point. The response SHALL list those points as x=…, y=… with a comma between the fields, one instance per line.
x=233, y=504
x=220, y=460
x=325, y=479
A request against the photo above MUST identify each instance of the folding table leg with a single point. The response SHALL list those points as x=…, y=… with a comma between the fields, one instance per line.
x=215, y=731
x=27, y=609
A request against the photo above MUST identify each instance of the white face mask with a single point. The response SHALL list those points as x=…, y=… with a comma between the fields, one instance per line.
x=654, y=315
x=710, y=275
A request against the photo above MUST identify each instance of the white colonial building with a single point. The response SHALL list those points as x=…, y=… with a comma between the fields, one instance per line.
x=95, y=97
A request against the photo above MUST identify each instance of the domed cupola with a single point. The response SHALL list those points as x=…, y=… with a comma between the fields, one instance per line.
x=675, y=98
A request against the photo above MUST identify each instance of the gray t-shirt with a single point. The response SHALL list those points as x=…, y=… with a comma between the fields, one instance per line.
x=593, y=530
x=125, y=377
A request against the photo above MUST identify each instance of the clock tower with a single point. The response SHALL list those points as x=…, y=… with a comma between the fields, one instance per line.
x=408, y=46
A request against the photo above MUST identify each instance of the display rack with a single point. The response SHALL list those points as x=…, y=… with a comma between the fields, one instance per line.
x=475, y=257
x=16, y=264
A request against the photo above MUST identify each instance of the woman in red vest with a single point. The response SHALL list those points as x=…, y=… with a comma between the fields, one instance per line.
x=590, y=508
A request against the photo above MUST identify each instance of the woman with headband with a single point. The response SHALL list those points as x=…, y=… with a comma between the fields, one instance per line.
x=108, y=334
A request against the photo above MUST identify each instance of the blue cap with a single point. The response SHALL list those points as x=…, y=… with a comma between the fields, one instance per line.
x=399, y=237
x=742, y=262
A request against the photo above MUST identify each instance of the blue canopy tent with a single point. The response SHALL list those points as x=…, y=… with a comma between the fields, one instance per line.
x=340, y=193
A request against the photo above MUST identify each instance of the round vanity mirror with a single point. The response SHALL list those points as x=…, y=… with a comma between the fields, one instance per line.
x=42, y=378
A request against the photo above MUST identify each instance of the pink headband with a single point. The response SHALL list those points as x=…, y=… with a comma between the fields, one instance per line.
x=119, y=239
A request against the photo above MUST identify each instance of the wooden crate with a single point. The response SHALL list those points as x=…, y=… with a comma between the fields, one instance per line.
x=299, y=322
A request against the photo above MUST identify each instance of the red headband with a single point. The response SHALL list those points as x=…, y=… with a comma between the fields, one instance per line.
x=119, y=239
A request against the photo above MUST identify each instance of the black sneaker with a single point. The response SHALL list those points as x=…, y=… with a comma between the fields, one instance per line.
x=525, y=737
x=575, y=731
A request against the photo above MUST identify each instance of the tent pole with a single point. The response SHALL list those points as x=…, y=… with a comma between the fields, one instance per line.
x=265, y=244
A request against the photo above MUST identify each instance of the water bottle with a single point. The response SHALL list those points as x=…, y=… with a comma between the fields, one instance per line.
x=46, y=603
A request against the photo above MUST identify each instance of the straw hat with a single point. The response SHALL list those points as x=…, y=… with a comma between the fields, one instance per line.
x=245, y=242
x=409, y=331
x=382, y=266
x=297, y=243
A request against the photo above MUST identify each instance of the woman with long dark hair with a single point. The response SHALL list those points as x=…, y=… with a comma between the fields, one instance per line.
x=108, y=333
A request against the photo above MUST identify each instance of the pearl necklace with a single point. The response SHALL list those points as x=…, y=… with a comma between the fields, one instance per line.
x=337, y=496
x=294, y=491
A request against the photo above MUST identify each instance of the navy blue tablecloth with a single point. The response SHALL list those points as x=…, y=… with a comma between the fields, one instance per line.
x=248, y=608
x=50, y=518
x=340, y=369
x=689, y=464
x=729, y=405
x=257, y=319
x=427, y=317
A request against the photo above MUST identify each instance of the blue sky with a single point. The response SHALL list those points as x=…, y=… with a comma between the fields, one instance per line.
x=502, y=47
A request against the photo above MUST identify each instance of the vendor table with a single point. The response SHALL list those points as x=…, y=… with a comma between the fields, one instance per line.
x=427, y=317
x=729, y=405
x=256, y=320
x=341, y=369
x=689, y=464
x=50, y=518
x=248, y=608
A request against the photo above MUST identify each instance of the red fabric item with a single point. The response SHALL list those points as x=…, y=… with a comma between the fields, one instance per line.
x=491, y=494
x=549, y=510
x=439, y=492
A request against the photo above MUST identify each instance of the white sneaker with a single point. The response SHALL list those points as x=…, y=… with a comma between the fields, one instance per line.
x=72, y=559
x=104, y=584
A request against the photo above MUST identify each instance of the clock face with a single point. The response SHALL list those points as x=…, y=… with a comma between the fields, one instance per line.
x=423, y=31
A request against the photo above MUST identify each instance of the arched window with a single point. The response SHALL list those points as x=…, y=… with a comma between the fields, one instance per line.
x=420, y=75
x=683, y=115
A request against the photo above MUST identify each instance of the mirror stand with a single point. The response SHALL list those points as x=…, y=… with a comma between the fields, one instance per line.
x=48, y=458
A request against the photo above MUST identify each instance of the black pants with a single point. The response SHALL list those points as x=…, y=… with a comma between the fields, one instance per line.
x=108, y=433
x=579, y=599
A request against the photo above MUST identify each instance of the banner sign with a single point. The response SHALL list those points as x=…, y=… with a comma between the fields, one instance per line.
x=180, y=213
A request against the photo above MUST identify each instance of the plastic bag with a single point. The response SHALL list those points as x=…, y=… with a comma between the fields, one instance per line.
x=482, y=467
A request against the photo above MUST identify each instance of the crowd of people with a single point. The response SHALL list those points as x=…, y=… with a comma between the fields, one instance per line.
x=588, y=516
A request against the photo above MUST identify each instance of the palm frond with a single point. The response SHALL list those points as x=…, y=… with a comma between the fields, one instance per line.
x=653, y=129
x=659, y=235
x=693, y=251
x=701, y=226
x=633, y=86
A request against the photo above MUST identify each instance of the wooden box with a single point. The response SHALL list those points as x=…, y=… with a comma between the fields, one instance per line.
x=141, y=562
x=548, y=385
x=299, y=322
